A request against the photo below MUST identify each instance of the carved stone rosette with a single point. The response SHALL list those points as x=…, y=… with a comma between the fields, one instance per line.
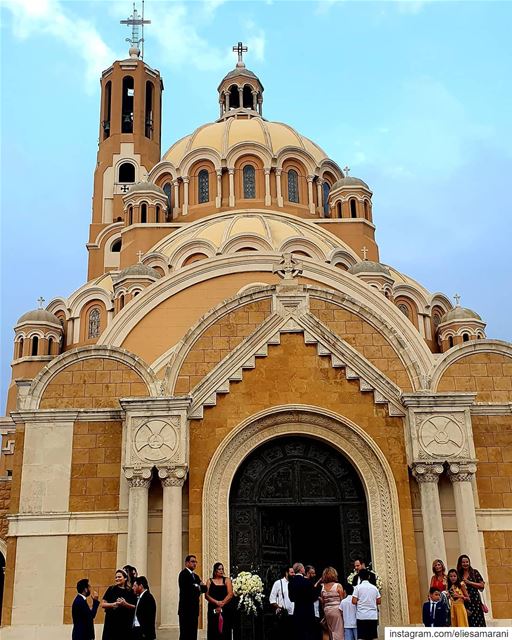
x=427, y=471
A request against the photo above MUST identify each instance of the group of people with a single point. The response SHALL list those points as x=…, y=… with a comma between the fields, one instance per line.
x=455, y=597
x=130, y=609
x=305, y=607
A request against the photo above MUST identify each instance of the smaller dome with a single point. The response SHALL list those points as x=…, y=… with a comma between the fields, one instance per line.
x=39, y=315
x=368, y=266
x=239, y=71
x=349, y=181
x=146, y=186
x=139, y=269
x=460, y=313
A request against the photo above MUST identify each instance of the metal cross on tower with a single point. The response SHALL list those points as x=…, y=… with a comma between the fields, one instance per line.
x=346, y=169
x=240, y=48
x=364, y=251
x=41, y=301
x=456, y=297
x=135, y=21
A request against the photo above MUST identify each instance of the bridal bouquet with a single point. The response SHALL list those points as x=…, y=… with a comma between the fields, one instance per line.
x=248, y=587
x=378, y=579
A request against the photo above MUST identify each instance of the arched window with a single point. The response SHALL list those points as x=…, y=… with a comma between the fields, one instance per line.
x=148, y=119
x=127, y=172
x=247, y=97
x=404, y=309
x=35, y=345
x=168, y=192
x=366, y=210
x=121, y=302
x=338, y=209
x=94, y=323
x=326, y=187
x=203, y=186
x=20, y=348
x=157, y=213
x=116, y=246
x=127, y=105
x=450, y=342
x=436, y=320
x=465, y=337
x=353, y=208
x=234, y=97
x=106, y=110
x=130, y=215
x=249, y=174
x=293, y=186
x=50, y=345
x=143, y=213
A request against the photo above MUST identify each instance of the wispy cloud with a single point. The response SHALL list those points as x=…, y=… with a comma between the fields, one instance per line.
x=36, y=18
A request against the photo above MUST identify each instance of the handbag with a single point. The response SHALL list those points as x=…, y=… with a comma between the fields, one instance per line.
x=282, y=612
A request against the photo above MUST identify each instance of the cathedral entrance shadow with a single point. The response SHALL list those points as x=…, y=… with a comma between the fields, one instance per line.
x=296, y=499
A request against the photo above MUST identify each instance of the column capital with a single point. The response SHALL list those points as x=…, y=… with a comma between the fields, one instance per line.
x=218, y=172
x=279, y=172
x=173, y=476
x=231, y=171
x=266, y=171
x=427, y=471
x=186, y=180
x=461, y=472
x=320, y=180
x=138, y=477
x=310, y=178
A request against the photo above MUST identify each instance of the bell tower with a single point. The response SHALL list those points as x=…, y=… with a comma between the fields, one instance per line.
x=129, y=136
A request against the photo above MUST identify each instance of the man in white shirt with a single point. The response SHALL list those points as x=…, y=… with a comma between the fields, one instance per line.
x=282, y=604
x=366, y=597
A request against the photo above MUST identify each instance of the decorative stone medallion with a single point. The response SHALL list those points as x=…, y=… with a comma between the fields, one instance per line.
x=441, y=436
x=156, y=440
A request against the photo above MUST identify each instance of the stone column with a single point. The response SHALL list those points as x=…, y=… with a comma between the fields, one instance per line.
x=137, y=547
x=254, y=100
x=226, y=93
x=319, y=184
x=310, y=194
x=231, y=173
x=268, y=199
x=461, y=476
x=172, y=480
x=218, y=199
x=279, y=188
x=427, y=476
x=176, y=196
x=241, y=96
x=185, y=195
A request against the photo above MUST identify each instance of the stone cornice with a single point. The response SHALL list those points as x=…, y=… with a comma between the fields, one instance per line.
x=166, y=404
x=428, y=400
x=67, y=415
x=489, y=409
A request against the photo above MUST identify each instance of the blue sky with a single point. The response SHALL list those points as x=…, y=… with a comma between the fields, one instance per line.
x=415, y=97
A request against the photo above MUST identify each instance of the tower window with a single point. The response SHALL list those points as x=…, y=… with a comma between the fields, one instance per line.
x=143, y=213
x=203, y=187
x=127, y=105
x=168, y=192
x=353, y=208
x=338, y=209
x=20, y=348
x=148, y=118
x=107, y=109
x=116, y=246
x=157, y=214
x=450, y=342
x=293, y=186
x=121, y=302
x=130, y=215
x=234, y=97
x=247, y=97
x=366, y=210
x=93, y=323
x=127, y=172
x=326, y=187
x=50, y=344
x=249, y=175
x=35, y=345
x=465, y=337
x=404, y=309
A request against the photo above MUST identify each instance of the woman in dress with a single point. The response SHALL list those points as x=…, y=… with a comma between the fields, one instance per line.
x=474, y=584
x=219, y=593
x=131, y=572
x=458, y=597
x=331, y=596
x=439, y=580
x=119, y=605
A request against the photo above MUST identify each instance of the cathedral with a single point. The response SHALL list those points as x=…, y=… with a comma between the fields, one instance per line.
x=241, y=378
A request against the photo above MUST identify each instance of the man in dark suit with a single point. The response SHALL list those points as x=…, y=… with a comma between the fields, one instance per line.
x=83, y=615
x=435, y=611
x=144, y=615
x=359, y=563
x=303, y=593
x=191, y=587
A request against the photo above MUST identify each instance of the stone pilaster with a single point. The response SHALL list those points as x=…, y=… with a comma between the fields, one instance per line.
x=268, y=199
x=137, y=547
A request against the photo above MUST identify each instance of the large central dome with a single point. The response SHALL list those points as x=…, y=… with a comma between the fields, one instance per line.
x=224, y=136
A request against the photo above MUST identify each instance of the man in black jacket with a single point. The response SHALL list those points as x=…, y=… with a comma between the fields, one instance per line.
x=83, y=615
x=191, y=587
x=145, y=611
x=359, y=563
x=303, y=593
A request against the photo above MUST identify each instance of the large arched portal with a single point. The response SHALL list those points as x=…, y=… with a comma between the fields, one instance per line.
x=297, y=498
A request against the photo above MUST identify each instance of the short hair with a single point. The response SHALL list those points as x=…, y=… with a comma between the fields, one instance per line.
x=308, y=568
x=285, y=569
x=189, y=558
x=364, y=574
x=441, y=563
x=142, y=580
x=298, y=567
x=433, y=590
x=360, y=559
x=82, y=584
x=330, y=575
x=349, y=588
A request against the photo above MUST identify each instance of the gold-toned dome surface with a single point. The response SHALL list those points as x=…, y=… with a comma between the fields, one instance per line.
x=221, y=137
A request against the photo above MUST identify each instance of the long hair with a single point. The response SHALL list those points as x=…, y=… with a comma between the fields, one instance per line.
x=215, y=567
x=460, y=570
x=454, y=584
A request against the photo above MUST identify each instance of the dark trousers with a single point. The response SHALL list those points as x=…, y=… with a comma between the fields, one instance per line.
x=282, y=628
x=188, y=626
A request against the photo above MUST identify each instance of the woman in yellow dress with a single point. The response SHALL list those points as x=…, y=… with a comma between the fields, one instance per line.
x=458, y=596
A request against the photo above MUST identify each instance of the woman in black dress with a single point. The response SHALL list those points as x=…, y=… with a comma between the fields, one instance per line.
x=119, y=605
x=219, y=595
x=474, y=584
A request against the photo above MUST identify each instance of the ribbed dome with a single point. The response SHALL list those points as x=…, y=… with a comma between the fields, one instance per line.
x=368, y=266
x=239, y=71
x=39, y=315
x=349, y=181
x=139, y=269
x=146, y=186
x=223, y=136
x=460, y=313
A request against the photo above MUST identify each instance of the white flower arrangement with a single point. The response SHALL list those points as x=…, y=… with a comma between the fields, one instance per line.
x=248, y=588
x=378, y=579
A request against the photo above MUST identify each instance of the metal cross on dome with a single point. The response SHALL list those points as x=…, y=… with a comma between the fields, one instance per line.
x=364, y=251
x=456, y=297
x=240, y=48
x=139, y=255
x=346, y=169
x=41, y=301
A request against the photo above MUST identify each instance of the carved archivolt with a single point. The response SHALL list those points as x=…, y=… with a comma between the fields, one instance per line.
x=340, y=433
